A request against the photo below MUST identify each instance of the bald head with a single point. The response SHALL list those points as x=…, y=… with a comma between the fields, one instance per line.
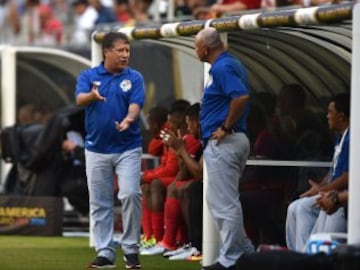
x=208, y=45
x=210, y=38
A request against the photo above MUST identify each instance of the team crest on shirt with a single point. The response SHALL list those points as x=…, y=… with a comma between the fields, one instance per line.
x=125, y=85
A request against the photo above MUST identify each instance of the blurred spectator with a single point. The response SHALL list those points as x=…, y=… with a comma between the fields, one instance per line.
x=42, y=113
x=61, y=10
x=158, y=8
x=199, y=8
x=26, y=25
x=226, y=6
x=122, y=11
x=107, y=3
x=223, y=6
x=181, y=8
x=52, y=30
x=26, y=114
x=35, y=25
x=298, y=127
x=3, y=11
x=268, y=4
x=20, y=20
x=139, y=11
x=308, y=3
x=9, y=21
x=264, y=142
x=271, y=4
x=105, y=14
x=85, y=18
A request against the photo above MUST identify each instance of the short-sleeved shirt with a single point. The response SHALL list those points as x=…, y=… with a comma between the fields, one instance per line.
x=120, y=91
x=227, y=80
x=341, y=164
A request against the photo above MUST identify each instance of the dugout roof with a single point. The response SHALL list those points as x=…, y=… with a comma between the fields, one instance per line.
x=309, y=46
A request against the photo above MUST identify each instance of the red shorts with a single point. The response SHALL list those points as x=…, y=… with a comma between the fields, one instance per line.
x=180, y=183
x=166, y=180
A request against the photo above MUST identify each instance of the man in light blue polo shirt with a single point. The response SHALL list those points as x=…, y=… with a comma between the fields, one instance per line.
x=223, y=115
x=113, y=95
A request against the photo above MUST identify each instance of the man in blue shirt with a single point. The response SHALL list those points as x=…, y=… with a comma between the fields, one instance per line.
x=223, y=115
x=304, y=217
x=113, y=95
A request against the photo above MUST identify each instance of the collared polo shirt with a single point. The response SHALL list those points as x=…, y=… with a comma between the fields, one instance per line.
x=227, y=80
x=120, y=91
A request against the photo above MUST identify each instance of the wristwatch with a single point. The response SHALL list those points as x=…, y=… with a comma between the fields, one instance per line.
x=335, y=198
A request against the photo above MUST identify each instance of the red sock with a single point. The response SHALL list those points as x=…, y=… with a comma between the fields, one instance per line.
x=172, y=221
x=157, y=221
x=146, y=221
x=181, y=235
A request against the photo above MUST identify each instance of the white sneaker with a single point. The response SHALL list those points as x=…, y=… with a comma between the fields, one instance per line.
x=155, y=250
x=176, y=251
x=185, y=254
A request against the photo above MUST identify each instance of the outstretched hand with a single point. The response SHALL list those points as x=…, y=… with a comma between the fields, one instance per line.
x=96, y=94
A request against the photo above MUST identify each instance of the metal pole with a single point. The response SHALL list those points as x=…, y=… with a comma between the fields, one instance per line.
x=171, y=11
x=354, y=173
x=210, y=243
x=96, y=58
x=157, y=11
x=8, y=97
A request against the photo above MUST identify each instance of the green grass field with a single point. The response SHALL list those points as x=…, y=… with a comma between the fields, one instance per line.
x=67, y=253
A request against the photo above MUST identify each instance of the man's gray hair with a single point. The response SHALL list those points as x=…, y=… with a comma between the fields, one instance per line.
x=210, y=37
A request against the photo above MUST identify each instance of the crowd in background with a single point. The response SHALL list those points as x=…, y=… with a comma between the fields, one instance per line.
x=63, y=22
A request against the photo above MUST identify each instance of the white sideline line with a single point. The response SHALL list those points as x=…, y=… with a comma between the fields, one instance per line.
x=288, y=163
